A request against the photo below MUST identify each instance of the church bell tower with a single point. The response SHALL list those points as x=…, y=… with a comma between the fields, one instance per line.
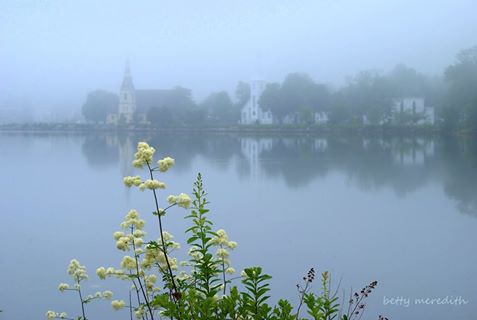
x=127, y=97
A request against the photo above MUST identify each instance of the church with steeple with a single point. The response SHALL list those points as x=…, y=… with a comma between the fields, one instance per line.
x=127, y=101
x=134, y=104
x=127, y=97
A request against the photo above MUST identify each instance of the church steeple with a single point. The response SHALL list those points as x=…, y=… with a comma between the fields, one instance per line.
x=127, y=97
x=127, y=79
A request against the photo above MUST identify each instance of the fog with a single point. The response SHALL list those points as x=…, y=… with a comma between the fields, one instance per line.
x=52, y=53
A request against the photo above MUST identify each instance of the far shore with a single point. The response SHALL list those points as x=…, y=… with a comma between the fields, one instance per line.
x=242, y=129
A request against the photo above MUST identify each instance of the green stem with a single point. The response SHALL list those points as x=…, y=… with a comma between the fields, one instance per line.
x=82, y=302
x=146, y=300
x=164, y=247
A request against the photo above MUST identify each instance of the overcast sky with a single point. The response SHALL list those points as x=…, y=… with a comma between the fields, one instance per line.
x=55, y=52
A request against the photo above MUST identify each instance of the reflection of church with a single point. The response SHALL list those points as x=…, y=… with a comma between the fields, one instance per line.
x=126, y=150
x=126, y=156
x=251, y=149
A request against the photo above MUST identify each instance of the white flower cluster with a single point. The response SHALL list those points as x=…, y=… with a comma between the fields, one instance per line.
x=103, y=272
x=165, y=164
x=154, y=255
x=55, y=315
x=223, y=242
x=144, y=155
x=128, y=263
x=181, y=200
x=130, y=181
x=150, y=282
x=222, y=239
x=99, y=295
x=152, y=184
x=117, y=304
x=63, y=286
x=77, y=271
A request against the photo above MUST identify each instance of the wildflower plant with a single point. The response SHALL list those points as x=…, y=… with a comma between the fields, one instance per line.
x=78, y=274
x=201, y=287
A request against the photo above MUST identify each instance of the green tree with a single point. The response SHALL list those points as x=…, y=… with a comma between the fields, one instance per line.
x=181, y=99
x=162, y=117
x=302, y=96
x=99, y=104
x=341, y=111
x=460, y=106
x=220, y=108
x=299, y=96
x=368, y=95
x=271, y=100
x=406, y=81
x=194, y=116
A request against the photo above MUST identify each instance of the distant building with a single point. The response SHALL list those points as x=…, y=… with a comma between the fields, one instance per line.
x=407, y=110
x=318, y=117
x=127, y=101
x=251, y=111
x=413, y=108
x=134, y=104
x=321, y=117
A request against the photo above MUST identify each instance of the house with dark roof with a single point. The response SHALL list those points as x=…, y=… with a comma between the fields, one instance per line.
x=134, y=104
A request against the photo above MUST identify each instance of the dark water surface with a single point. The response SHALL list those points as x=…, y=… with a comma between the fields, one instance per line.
x=402, y=211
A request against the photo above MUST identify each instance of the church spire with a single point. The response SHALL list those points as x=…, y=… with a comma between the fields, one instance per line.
x=127, y=79
x=127, y=97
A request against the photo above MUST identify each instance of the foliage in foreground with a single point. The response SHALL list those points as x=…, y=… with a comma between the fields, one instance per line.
x=202, y=287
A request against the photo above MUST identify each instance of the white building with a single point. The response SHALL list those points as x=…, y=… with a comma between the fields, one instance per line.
x=134, y=104
x=321, y=117
x=318, y=117
x=413, y=106
x=251, y=111
x=127, y=101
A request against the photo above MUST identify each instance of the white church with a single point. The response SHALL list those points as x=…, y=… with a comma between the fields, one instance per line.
x=251, y=111
x=127, y=101
x=134, y=103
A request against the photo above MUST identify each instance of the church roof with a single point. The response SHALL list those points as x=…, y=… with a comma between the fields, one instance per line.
x=127, y=79
x=146, y=99
x=127, y=83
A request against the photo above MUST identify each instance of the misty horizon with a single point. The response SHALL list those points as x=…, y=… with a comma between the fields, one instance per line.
x=54, y=54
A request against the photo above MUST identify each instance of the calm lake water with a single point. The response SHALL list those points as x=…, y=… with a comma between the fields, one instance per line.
x=402, y=211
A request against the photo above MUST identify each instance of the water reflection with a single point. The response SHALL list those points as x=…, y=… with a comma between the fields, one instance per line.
x=101, y=151
x=460, y=173
x=403, y=164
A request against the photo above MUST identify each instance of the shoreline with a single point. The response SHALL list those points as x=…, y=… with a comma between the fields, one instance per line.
x=240, y=129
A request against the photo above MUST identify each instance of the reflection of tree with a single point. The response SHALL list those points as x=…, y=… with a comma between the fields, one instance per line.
x=219, y=149
x=460, y=163
x=298, y=160
x=100, y=151
x=402, y=164
x=108, y=149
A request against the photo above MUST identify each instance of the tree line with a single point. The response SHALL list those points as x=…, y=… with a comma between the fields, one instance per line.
x=368, y=94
